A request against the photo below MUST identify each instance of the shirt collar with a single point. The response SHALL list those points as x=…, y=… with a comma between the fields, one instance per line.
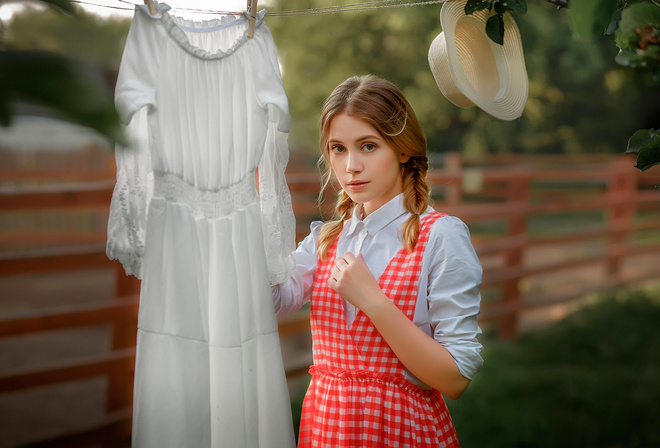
x=387, y=213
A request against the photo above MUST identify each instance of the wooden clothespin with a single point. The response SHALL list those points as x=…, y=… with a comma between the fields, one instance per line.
x=152, y=7
x=252, y=16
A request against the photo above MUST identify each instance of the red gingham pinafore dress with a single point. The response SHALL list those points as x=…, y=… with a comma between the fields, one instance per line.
x=359, y=396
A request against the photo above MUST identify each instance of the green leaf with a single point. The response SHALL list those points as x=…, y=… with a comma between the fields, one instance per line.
x=590, y=18
x=472, y=6
x=651, y=51
x=614, y=23
x=500, y=8
x=649, y=156
x=64, y=85
x=518, y=5
x=639, y=58
x=641, y=139
x=638, y=15
x=495, y=28
x=64, y=5
x=627, y=58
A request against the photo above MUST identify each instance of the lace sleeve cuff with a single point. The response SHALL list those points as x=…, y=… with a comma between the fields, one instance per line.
x=131, y=261
x=132, y=192
x=279, y=224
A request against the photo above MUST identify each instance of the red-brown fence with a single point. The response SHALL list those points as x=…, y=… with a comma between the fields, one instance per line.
x=547, y=230
x=594, y=219
x=41, y=205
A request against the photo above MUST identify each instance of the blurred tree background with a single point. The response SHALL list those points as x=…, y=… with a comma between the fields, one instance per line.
x=580, y=99
x=98, y=41
x=61, y=62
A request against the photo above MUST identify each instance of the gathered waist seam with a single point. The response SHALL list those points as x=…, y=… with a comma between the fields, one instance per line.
x=369, y=376
x=208, y=203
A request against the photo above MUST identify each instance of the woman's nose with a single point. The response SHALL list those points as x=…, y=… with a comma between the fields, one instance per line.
x=353, y=163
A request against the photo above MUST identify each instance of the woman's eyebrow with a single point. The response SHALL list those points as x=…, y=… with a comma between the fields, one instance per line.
x=359, y=139
x=369, y=137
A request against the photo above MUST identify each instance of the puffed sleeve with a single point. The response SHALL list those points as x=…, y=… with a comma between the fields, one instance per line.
x=132, y=192
x=136, y=80
x=278, y=221
x=454, y=299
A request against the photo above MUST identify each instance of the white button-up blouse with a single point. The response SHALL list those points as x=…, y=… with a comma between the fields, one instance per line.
x=448, y=292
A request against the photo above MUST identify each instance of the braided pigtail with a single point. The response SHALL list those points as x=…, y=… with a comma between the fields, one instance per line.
x=415, y=197
x=331, y=229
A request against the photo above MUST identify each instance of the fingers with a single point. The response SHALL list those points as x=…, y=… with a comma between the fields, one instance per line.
x=341, y=265
x=335, y=272
x=349, y=257
x=332, y=282
x=346, y=260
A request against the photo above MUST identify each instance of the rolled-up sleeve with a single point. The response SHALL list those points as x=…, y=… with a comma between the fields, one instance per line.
x=454, y=299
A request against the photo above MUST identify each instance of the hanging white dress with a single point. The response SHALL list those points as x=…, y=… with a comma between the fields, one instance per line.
x=205, y=107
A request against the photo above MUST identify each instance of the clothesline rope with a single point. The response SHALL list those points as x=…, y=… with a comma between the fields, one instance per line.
x=336, y=9
x=121, y=8
x=365, y=6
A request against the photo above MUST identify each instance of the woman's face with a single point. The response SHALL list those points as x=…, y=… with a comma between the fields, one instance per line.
x=367, y=168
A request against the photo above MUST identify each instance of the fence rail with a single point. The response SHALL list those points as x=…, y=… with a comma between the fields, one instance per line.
x=497, y=201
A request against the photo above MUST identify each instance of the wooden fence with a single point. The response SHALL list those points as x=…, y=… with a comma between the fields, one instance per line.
x=555, y=218
x=47, y=190
x=532, y=219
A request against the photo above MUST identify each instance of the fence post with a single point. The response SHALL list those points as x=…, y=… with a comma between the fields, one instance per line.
x=120, y=384
x=518, y=193
x=454, y=187
x=621, y=191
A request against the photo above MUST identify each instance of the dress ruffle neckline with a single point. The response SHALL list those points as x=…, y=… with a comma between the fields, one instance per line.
x=179, y=36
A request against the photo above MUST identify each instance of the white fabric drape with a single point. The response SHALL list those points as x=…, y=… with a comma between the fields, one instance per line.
x=205, y=109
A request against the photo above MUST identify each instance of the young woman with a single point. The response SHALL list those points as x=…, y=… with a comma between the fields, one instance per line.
x=394, y=285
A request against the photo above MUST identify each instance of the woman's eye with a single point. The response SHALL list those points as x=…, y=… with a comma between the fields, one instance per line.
x=369, y=147
x=337, y=149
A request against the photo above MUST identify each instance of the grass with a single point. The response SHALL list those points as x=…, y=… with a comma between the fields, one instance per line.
x=591, y=380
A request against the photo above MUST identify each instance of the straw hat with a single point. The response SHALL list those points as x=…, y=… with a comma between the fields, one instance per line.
x=471, y=69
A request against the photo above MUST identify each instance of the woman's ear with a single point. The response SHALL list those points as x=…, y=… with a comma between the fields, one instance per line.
x=403, y=158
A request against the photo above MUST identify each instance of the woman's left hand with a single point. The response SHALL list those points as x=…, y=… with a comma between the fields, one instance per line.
x=351, y=278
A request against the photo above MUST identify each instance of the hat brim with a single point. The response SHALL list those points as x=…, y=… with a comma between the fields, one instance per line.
x=470, y=69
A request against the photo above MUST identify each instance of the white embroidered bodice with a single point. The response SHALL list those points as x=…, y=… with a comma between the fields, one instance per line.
x=200, y=143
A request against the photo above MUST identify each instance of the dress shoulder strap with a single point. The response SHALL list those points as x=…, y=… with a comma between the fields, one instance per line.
x=425, y=226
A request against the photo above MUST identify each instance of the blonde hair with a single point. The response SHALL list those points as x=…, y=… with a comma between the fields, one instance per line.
x=381, y=104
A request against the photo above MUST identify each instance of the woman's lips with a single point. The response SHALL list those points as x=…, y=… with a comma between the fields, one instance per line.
x=356, y=185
